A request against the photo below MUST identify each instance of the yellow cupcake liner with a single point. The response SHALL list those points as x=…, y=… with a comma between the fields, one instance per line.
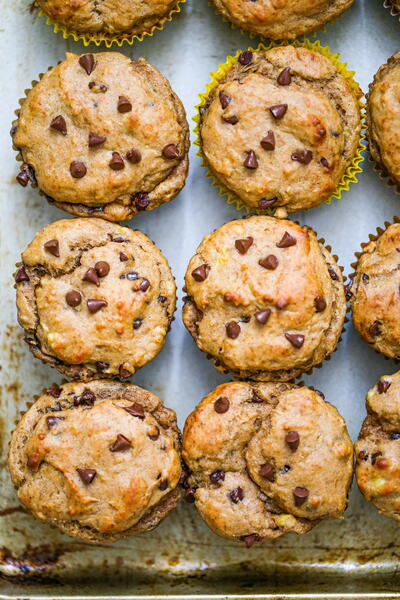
x=87, y=39
x=354, y=168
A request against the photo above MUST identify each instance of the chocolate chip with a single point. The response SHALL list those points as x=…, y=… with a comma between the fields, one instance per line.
x=200, y=273
x=348, y=287
x=267, y=471
x=154, y=436
x=73, y=298
x=383, y=386
x=189, y=496
x=135, y=410
x=121, y=443
x=256, y=398
x=170, y=152
x=286, y=241
x=52, y=421
x=59, y=124
x=124, y=105
x=245, y=58
x=144, y=286
x=221, y=405
x=236, y=495
x=21, y=275
x=87, y=398
x=52, y=247
x=224, y=99
x=285, y=469
x=123, y=257
x=375, y=329
x=320, y=304
x=332, y=274
x=162, y=299
x=245, y=319
x=232, y=330
x=295, y=339
x=95, y=305
x=251, y=161
x=95, y=139
x=117, y=162
x=91, y=276
x=33, y=461
x=231, y=120
x=250, y=540
x=268, y=142
x=102, y=268
x=395, y=436
x=217, y=476
x=284, y=77
x=118, y=239
x=137, y=323
x=132, y=276
x=374, y=456
x=362, y=455
x=300, y=495
x=324, y=163
x=320, y=394
x=134, y=156
x=264, y=203
x=87, y=62
x=383, y=463
x=302, y=156
x=77, y=169
x=365, y=277
x=124, y=373
x=98, y=88
x=278, y=110
x=292, y=439
x=270, y=262
x=102, y=365
x=163, y=485
x=87, y=475
x=141, y=200
x=262, y=316
x=23, y=178
x=244, y=244
x=54, y=391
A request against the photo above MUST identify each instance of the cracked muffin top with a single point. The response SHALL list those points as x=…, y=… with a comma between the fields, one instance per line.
x=378, y=447
x=265, y=459
x=103, y=135
x=375, y=292
x=281, y=19
x=265, y=299
x=108, y=18
x=383, y=116
x=95, y=299
x=281, y=128
x=98, y=460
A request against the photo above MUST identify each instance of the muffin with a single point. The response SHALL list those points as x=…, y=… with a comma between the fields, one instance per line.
x=265, y=299
x=378, y=447
x=103, y=135
x=100, y=461
x=95, y=299
x=266, y=459
x=280, y=128
x=281, y=20
x=375, y=292
x=383, y=118
x=108, y=20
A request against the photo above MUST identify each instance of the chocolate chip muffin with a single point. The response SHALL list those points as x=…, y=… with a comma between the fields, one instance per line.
x=383, y=118
x=109, y=20
x=266, y=459
x=100, y=461
x=378, y=447
x=280, y=128
x=103, y=135
x=265, y=299
x=95, y=299
x=283, y=19
x=375, y=292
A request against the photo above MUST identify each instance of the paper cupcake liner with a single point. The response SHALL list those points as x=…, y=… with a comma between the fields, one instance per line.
x=372, y=237
x=393, y=11
x=109, y=40
x=354, y=168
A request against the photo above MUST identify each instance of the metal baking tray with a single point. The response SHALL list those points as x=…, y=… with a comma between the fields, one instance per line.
x=354, y=558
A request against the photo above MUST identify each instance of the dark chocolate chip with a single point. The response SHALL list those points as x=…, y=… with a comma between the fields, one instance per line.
x=245, y=58
x=52, y=247
x=162, y=299
x=268, y=142
x=132, y=276
x=87, y=475
x=54, y=391
x=284, y=77
x=383, y=386
x=59, y=124
x=278, y=110
x=117, y=162
x=34, y=460
x=200, y=273
x=135, y=410
x=286, y=241
x=375, y=328
x=251, y=161
x=217, y=476
x=320, y=304
x=154, y=437
x=102, y=365
x=87, y=398
x=264, y=203
x=256, y=398
x=141, y=200
x=21, y=275
x=123, y=257
x=324, y=162
x=171, y=152
x=374, y=456
x=245, y=319
x=236, y=495
x=137, y=323
x=395, y=436
x=23, y=178
x=144, y=286
x=124, y=373
x=163, y=485
x=285, y=469
x=77, y=169
x=232, y=120
x=262, y=316
x=119, y=239
x=320, y=394
x=243, y=245
x=73, y=298
x=332, y=273
x=250, y=540
x=232, y=330
x=121, y=443
x=270, y=262
x=225, y=99
x=267, y=471
x=347, y=288
x=91, y=276
x=300, y=495
x=302, y=156
x=52, y=421
x=292, y=439
x=365, y=277
x=221, y=405
x=102, y=268
x=124, y=105
x=87, y=62
x=295, y=339
x=95, y=139
x=189, y=496
x=362, y=455
x=134, y=156
x=95, y=305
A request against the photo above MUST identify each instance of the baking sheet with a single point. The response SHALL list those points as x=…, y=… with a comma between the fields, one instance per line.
x=356, y=556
